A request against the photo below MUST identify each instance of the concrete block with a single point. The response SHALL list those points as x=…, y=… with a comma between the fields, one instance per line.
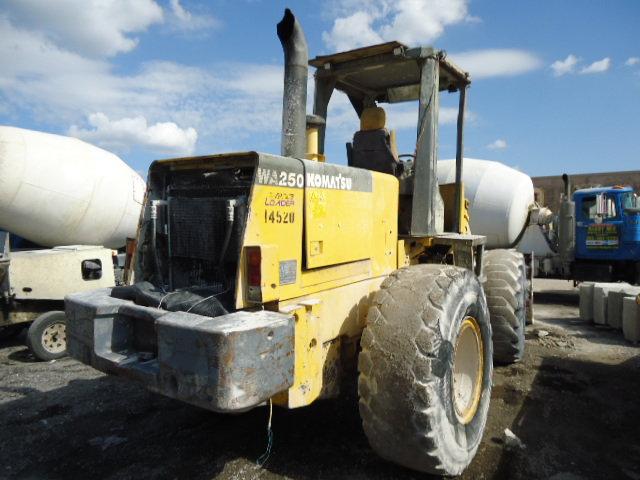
x=630, y=319
x=600, y=295
x=586, y=301
x=614, y=305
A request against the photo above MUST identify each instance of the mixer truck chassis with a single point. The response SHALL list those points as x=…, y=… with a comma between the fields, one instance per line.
x=33, y=284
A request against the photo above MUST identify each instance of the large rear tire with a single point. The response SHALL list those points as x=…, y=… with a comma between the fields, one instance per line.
x=47, y=338
x=425, y=369
x=506, y=289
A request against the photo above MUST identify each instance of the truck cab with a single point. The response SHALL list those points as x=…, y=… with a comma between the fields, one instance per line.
x=608, y=227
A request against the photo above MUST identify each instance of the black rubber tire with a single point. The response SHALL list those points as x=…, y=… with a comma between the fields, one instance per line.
x=405, y=368
x=35, y=335
x=506, y=289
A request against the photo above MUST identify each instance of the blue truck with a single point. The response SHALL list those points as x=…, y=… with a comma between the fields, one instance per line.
x=599, y=234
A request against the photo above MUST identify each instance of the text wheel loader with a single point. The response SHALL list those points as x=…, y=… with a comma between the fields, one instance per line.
x=260, y=278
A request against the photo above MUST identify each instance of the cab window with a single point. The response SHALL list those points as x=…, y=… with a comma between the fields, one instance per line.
x=599, y=207
x=589, y=207
x=630, y=200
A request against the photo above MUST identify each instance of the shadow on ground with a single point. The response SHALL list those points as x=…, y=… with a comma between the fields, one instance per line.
x=579, y=419
x=106, y=428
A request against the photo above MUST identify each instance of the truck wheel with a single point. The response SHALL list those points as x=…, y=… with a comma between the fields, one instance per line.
x=425, y=368
x=47, y=337
x=506, y=290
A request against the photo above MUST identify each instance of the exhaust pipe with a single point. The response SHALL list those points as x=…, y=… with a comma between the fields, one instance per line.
x=294, y=103
x=567, y=185
x=566, y=228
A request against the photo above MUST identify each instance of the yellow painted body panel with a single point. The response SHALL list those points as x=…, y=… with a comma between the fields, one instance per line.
x=338, y=226
x=448, y=193
x=329, y=297
x=323, y=321
x=276, y=220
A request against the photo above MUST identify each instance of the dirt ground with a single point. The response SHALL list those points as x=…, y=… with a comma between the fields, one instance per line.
x=574, y=402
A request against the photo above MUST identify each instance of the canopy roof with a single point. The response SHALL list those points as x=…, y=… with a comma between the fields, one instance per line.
x=389, y=72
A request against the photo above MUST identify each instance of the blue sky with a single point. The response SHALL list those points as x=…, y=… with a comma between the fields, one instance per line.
x=556, y=85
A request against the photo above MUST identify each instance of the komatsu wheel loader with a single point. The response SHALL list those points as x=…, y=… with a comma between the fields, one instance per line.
x=272, y=278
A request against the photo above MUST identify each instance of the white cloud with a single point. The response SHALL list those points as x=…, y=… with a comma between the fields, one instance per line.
x=165, y=137
x=597, y=67
x=499, y=144
x=360, y=22
x=57, y=83
x=58, y=87
x=187, y=21
x=89, y=27
x=496, y=62
x=631, y=61
x=562, y=67
x=353, y=31
x=162, y=106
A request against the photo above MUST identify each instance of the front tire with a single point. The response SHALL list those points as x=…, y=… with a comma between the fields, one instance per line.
x=47, y=337
x=506, y=290
x=425, y=369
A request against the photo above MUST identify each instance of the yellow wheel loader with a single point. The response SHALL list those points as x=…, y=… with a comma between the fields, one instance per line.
x=264, y=278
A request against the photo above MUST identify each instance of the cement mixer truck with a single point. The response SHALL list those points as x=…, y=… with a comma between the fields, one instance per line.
x=594, y=237
x=80, y=201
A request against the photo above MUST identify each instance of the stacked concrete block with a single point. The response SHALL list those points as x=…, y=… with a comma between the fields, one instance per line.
x=586, y=301
x=600, y=295
x=630, y=319
x=614, y=305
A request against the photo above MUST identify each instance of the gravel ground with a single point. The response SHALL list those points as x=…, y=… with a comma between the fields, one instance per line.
x=573, y=402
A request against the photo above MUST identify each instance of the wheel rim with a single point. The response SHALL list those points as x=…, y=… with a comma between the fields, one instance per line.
x=468, y=363
x=54, y=338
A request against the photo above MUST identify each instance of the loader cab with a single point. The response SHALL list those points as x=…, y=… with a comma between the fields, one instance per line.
x=392, y=73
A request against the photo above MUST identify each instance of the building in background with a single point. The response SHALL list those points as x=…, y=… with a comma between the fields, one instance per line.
x=548, y=189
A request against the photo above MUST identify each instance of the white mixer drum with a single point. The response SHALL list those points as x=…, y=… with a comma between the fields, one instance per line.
x=499, y=198
x=57, y=190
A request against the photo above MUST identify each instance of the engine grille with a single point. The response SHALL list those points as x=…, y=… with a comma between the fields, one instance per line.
x=196, y=227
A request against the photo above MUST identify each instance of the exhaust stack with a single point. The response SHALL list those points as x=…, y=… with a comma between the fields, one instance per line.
x=294, y=103
x=567, y=185
x=566, y=228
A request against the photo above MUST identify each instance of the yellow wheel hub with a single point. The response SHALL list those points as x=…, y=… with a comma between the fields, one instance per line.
x=468, y=367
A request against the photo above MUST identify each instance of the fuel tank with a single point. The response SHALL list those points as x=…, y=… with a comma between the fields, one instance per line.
x=499, y=198
x=57, y=190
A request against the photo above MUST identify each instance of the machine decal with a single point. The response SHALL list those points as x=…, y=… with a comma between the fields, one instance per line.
x=336, y=182
x=280, y=178
x=336, y=177
x=602, y=236
x=279, y=199
x=276, y=216
x=295, y=173
x=288, y=271
x=318, y=204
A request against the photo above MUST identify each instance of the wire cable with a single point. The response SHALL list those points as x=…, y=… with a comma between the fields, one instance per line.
x=262, y=460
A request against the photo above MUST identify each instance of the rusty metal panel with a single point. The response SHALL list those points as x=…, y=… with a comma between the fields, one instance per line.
x=228, y=363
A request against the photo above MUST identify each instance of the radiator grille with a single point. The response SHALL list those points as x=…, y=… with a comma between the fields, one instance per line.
x=197, y=227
